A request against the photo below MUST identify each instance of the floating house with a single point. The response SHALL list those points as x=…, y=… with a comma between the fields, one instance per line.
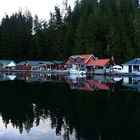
x=131, y=65
x=40, y=65
x=34, y=65
x=7, y=64
x=100, y=66
x=79, y=62
x=89, y=63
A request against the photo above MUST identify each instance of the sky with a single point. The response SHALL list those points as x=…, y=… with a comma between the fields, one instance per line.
x=40, y=7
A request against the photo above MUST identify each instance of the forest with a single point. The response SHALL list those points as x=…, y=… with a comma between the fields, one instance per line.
x=104, y=28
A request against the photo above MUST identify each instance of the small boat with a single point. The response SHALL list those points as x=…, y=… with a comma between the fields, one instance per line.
x=117, y=69
x=74, y=71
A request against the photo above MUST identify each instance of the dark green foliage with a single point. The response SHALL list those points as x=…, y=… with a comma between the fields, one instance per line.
x=103, y=27
x=16, y=36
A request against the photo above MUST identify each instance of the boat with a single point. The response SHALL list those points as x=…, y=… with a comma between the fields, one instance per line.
x=73, y=71
x=117, y=69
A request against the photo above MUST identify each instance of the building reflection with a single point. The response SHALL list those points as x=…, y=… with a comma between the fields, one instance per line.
x=77, y=82
x=90, y=83
x=132, y=82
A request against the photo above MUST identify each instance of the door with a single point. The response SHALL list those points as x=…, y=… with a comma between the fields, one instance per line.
x=130, y=68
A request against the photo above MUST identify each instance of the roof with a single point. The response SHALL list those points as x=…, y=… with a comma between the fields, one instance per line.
x=91, y=85
x=99, y=62
x=101, y=86
x=86, y=87
x=34, y=63
x=85, y=57
x=57, y=62
x=6, y=62
x=135, y=61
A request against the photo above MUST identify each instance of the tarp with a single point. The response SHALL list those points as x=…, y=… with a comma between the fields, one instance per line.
x=11, y=64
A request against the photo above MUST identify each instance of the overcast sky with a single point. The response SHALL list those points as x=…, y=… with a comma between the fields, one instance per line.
x=40, y=7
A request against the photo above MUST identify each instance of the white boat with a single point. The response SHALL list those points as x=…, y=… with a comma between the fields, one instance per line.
x=117, y=69
x=73, y=71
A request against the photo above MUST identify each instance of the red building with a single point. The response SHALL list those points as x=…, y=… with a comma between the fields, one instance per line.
x=88, y=63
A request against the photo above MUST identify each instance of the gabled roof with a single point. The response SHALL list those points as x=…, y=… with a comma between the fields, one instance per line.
x=99, y=62
x=91, y=85
x=85, y=57
x=86, y=87
x=135, y=61
x=101, y=86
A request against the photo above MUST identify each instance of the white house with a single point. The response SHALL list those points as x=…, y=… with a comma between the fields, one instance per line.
x=131, y=65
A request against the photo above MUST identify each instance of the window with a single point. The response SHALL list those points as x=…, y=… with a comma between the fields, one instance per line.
x=135, y=67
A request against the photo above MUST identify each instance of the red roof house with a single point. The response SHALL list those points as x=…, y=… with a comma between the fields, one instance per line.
x=88, y=63
x=80, y=59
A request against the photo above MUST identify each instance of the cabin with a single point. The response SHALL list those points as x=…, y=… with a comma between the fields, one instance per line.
x=7, y=65
x=131, y=65
x=89, y=63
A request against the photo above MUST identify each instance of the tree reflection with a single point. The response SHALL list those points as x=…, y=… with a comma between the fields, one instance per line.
x=93, y=116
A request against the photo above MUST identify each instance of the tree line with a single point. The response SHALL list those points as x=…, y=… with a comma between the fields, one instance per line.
x=103, y=27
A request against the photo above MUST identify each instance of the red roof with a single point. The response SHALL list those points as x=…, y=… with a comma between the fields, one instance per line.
x=85, y=57
x=99, y=62
x=87, y=87
x=99, y=85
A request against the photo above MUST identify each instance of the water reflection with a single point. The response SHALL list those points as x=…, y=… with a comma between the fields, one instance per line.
x=132, y=83
x=51, y=110
x=88, y=83
x=78, y=82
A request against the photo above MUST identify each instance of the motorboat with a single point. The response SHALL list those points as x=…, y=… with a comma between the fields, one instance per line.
x=117, y=69
x=71, y=71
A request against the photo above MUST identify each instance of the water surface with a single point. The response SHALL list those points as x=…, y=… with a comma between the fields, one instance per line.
x=57, y=107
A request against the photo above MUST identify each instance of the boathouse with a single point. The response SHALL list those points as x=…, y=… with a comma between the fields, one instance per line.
x=131, y=65
x=40, y=65
x=79, y=62
x=7, y=64
x=89, y=63
x=100, y=66
x=35, y=65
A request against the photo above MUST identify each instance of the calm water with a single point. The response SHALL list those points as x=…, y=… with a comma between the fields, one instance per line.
x=55, y=107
